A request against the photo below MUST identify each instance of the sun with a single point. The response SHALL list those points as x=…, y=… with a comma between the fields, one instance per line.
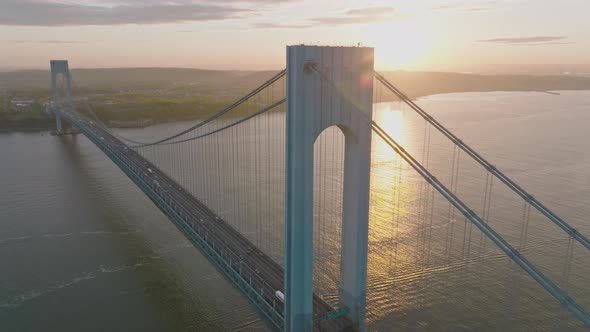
x=400, y=45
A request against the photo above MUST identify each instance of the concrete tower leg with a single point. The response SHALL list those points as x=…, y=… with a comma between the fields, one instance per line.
x=315, y=102
x=60, y=67
x=58, y=126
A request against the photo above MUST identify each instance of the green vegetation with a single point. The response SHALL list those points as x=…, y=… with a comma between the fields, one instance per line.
x=130, y=110
x=31, y=118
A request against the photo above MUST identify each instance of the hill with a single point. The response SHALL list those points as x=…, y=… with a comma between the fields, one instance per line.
x=414, y=84
x=137, y=96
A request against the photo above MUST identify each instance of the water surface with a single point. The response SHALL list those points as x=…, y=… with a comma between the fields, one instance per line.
x=81, y=248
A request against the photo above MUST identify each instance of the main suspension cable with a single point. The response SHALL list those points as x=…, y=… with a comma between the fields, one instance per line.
x=487, y=165
x=234, y=105
x=253, y=115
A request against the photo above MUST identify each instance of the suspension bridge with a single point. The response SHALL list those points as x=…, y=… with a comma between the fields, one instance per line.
x=278, y=192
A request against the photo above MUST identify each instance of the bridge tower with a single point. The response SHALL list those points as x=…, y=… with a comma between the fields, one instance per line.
x=327, y=86
x=60, y=67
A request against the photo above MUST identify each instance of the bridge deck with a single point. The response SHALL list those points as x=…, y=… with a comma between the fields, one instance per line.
x=251, y=270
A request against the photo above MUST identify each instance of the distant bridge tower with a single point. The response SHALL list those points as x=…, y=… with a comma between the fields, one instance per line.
x=60, y=67
x=315, y=102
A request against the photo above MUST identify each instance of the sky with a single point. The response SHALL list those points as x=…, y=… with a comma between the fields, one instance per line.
x=443, y=35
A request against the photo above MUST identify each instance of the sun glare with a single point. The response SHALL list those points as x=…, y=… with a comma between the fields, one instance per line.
x=392, y=122
x=400, y=45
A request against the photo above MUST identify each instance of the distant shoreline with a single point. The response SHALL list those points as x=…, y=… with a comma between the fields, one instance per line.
x=145, y=123
x=142, y=123
x=24, y=129
x=550, y=92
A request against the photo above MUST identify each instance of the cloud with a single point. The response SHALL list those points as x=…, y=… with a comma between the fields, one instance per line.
x=67, y=13
x=355, y=16
x=465, y=9
x=265, y=25
x=479, y=9
x=274, y=2
x=47, y=41
x=533, y=40
x=370, y=11
x=352, y=16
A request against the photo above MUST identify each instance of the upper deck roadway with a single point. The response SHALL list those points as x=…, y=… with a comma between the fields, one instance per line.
x=251, y=270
